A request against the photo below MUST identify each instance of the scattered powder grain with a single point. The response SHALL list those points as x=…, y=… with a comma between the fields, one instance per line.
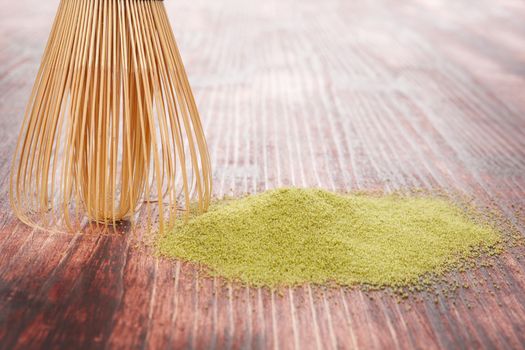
x=292, y=236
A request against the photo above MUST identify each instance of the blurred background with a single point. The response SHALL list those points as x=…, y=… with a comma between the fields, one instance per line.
x=337, y=94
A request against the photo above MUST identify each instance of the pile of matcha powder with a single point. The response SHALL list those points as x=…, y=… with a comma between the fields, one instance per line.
x=288, y=237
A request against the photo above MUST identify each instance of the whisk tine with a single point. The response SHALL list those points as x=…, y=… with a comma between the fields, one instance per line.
x=110, y=121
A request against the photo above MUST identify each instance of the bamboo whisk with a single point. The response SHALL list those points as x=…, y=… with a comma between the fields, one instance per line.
x=111, y=122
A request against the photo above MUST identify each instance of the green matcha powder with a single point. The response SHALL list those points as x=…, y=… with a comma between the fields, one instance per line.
x=293, y=236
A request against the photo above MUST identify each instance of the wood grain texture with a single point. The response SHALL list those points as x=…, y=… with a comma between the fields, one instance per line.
x=343, y=95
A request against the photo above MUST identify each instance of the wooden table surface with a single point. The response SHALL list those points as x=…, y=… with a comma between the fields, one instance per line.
x=343, y=95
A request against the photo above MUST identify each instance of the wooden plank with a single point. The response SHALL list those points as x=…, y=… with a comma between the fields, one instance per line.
x=343, y=95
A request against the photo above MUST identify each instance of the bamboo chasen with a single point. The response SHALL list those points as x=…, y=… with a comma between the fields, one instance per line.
x=111, y=124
